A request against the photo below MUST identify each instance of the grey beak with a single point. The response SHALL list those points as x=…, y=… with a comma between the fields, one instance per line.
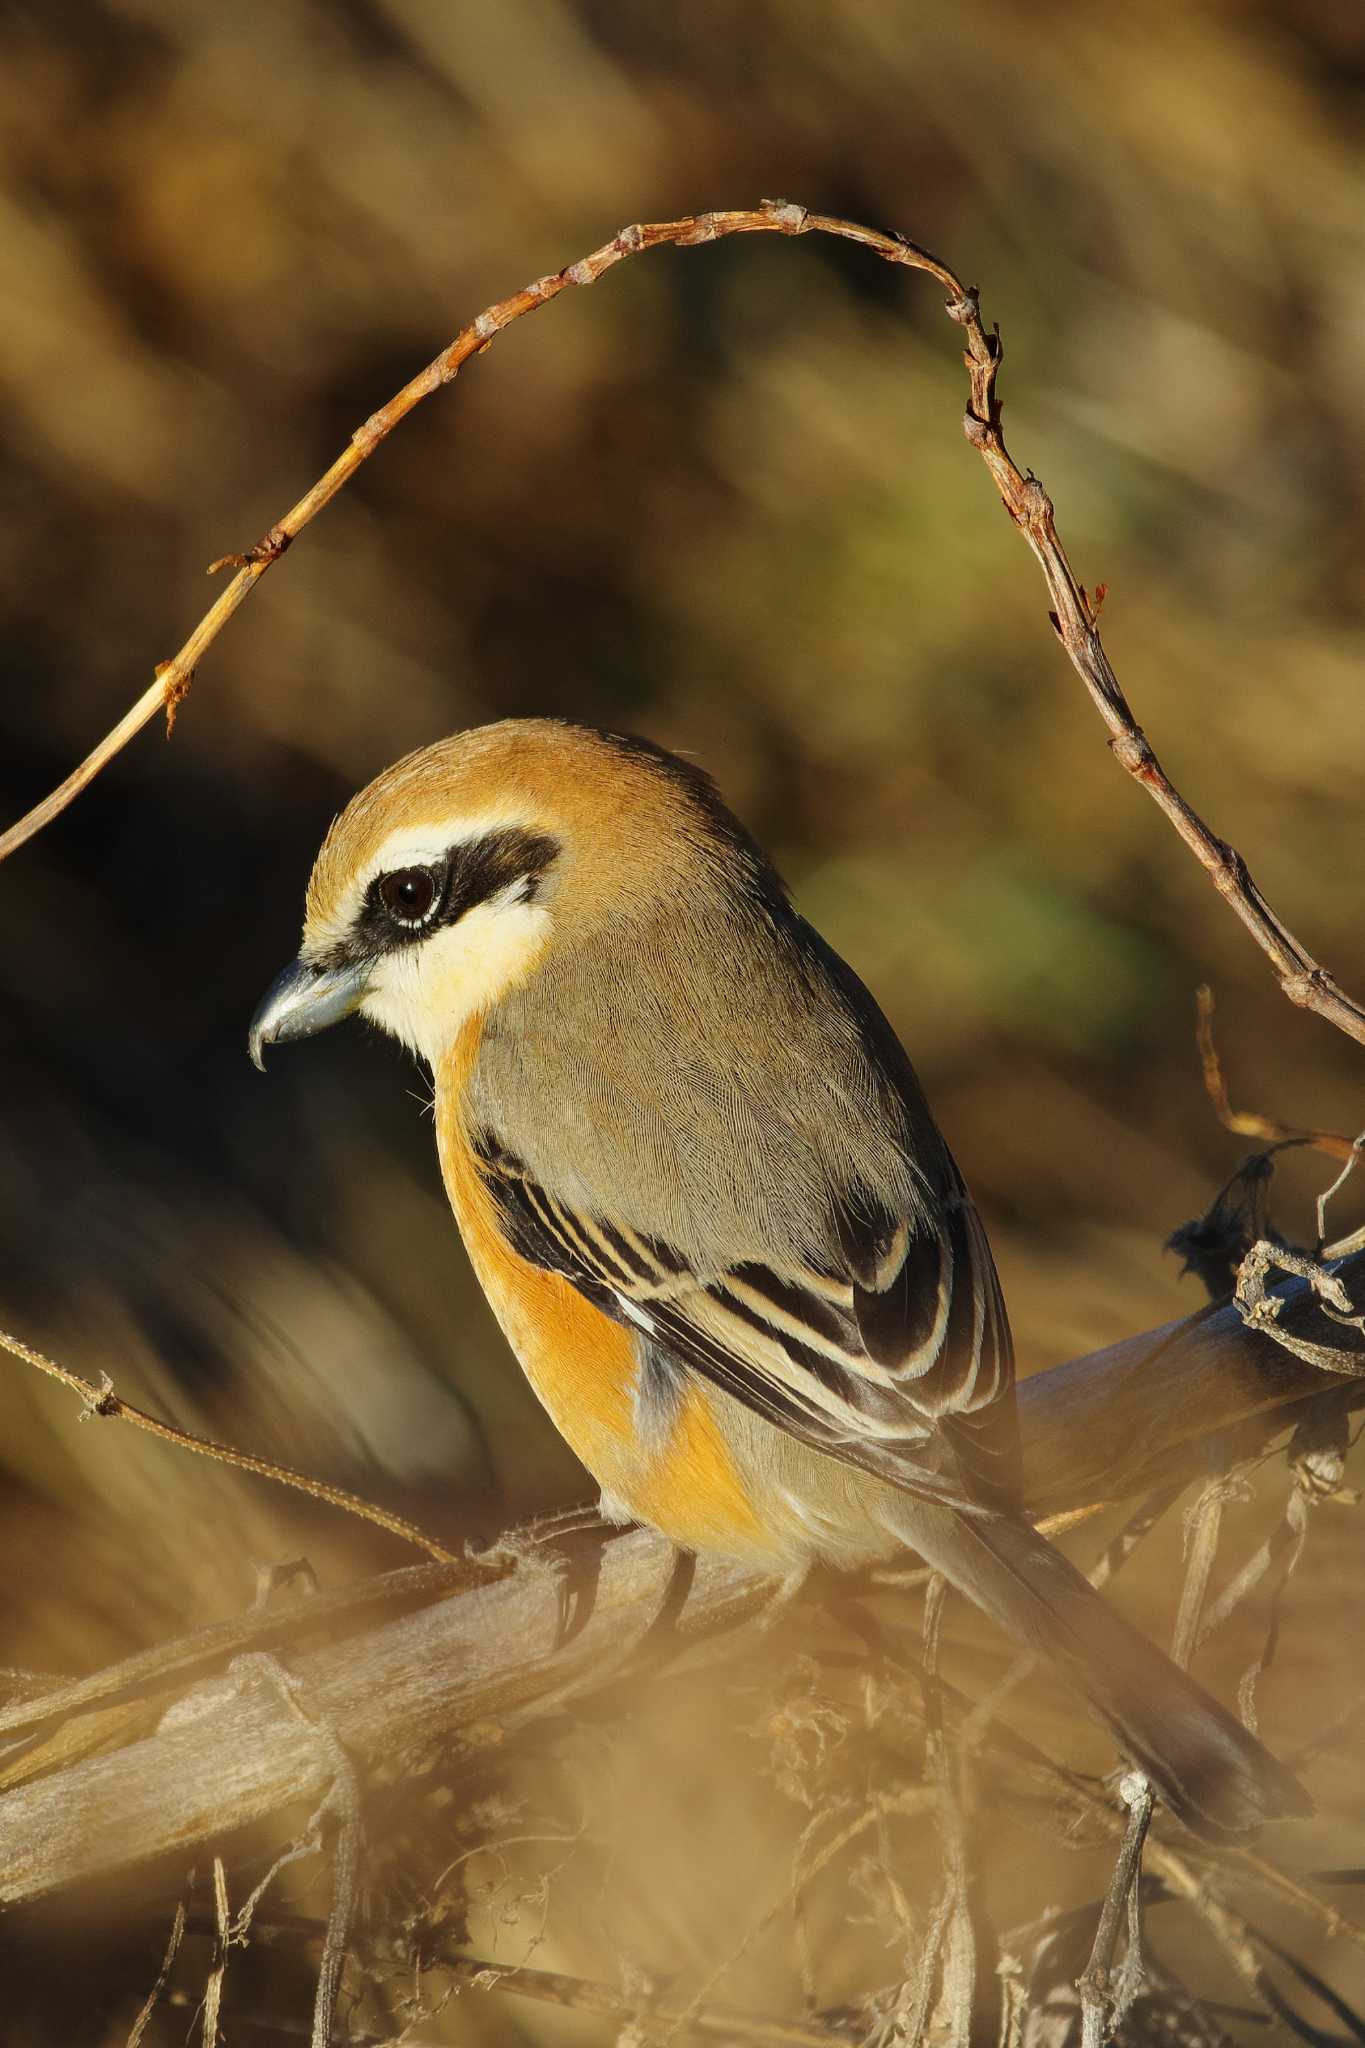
x=303, y=1000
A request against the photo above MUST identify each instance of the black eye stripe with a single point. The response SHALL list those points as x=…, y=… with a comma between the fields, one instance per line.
x=484, y=867
x=395, y=913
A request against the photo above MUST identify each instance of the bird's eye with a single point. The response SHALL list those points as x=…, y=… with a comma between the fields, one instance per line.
x=408, y=894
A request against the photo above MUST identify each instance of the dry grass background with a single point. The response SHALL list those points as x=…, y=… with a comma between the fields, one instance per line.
x=721, y=498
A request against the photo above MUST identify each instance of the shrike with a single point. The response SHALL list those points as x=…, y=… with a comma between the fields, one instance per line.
x=703, y=1192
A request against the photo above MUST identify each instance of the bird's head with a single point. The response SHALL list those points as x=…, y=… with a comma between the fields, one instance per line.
x=447, y=882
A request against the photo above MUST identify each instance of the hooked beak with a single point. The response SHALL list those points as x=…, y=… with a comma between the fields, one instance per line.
x=303, y=1000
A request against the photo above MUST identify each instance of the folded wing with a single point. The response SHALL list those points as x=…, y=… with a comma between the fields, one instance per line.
x=892, y=1353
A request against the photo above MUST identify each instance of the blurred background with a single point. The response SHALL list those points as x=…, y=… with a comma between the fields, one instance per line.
x=722, y=499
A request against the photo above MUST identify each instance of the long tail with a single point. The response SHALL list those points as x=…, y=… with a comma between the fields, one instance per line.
x=1210, y=1770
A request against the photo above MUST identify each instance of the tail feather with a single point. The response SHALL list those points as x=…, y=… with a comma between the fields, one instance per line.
x=1210, y=1770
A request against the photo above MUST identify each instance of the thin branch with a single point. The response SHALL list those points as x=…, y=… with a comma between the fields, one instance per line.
x=1183, y=1878
x=1102, y=2004
x=909, y=1801
x=1234, y=1936
x=341, y=1805
x=1074, y=612
x=1249, y=1123
x=1317, y=1464
x=103, y=1401
x=584, y=1994
x=213, y=1990
x=1187, y=1876
x=149, y=2005
x=1331, y=1924
x=949, y=1951
x=1203, y=1525
x=482, y=1662
x=581, y=1993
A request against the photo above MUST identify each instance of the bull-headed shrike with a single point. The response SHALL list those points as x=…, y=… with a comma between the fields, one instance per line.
x=703, y=1192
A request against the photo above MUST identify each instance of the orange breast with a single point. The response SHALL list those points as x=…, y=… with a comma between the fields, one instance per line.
x=583, y=1366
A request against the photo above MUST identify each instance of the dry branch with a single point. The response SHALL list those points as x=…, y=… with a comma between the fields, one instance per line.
x=1074, y=614
x=473, y=1666
x=579, y=1994
x=105, y=1402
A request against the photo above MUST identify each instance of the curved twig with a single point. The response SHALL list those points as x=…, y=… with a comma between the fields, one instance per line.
x=1074, y=611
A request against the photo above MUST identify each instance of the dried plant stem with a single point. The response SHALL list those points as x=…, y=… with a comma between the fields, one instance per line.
x=102, y=1400
x=584, y=1994
x=949, y=1951
x=222, y=1939
x=341, y=1806
x=716, y=2023
x=907, y=1801
x=1102, y=2008
x=1234, y=1936
x=1074, y=613
x=149, y=2005
x=1203, y=1526
x=1331, y=1924
x=1249, y=1123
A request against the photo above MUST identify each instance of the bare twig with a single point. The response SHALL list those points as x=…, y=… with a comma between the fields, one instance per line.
x=714, y=2022
x=584, y=1994
x=1331, y=1924
x=1328, y=1196
x=1203, y=1524
x=1317, y=1462
x=341, y=1806
x=1135, y=1530
x=1234, y=1936
x=177, y=1935
x=1189, y=1877
x=1102, y=2004
x=1260, y=1307
x=103, y=1401
x=213, y=1989
x=1317, y=1459
x=1187, y=1880
x=1250, y=1123
x=908, y=1800
x=1286, y=1538
x=1074, y=612
x=949, y=1952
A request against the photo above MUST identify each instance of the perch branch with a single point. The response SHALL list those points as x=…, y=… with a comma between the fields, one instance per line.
x=474, y=1666
x=1074, y=612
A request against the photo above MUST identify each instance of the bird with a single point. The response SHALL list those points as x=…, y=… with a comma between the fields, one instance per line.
x=703, y=1192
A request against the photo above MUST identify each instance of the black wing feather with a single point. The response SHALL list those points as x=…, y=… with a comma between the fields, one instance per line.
x=788, y=1351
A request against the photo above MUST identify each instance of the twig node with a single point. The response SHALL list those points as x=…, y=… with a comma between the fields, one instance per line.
x=785, y=214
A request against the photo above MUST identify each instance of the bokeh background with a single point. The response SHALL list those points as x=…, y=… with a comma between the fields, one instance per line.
x=723, y=499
